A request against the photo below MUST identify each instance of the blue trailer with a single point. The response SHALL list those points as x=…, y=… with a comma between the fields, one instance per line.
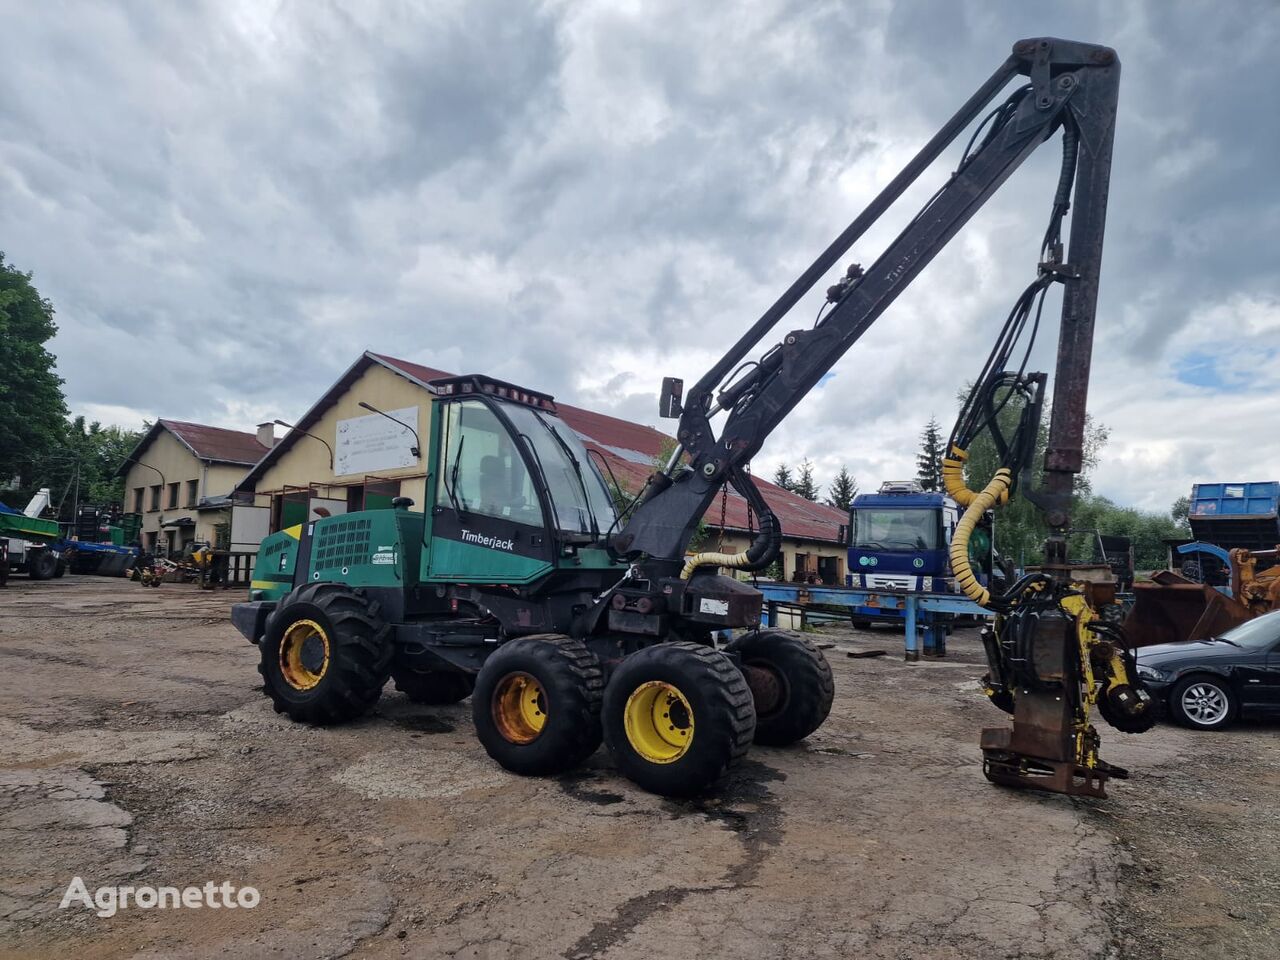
x=899, y=539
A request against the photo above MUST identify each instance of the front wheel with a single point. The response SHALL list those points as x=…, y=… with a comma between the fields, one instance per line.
x=677, y=716
x=536, y=704
x=326, y=654
x=791, y=684
x=1203, y=703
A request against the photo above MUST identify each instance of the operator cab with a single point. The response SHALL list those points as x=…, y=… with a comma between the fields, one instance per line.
x=510, y=472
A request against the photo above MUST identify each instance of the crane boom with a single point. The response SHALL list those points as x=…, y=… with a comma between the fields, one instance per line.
x=1072, y=85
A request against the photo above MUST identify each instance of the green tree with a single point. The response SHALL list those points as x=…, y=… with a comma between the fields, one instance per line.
x=843, y=489
x=81, y=469
x=929, y=459
x=1020, y=528
x=782, y=477
x=32, y=407
x=1147, y=531
x=804, y=485
x=1181, y=513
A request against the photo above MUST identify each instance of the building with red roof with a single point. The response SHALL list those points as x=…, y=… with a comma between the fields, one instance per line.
x=180, y=476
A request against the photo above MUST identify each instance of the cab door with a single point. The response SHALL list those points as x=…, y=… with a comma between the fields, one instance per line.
x=488, y=520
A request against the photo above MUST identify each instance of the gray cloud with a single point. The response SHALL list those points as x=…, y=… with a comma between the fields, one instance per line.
x=228, y=201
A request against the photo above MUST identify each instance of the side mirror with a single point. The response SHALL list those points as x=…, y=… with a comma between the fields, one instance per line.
x=669, y=405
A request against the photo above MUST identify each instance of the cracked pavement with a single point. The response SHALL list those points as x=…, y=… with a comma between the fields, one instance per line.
x=135, y=748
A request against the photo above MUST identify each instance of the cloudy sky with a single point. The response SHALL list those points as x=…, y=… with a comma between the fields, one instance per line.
x=228, y=201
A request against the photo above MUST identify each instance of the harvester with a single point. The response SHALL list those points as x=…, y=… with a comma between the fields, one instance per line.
x=568, y=622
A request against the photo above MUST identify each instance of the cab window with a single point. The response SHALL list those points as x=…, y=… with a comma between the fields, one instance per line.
x=481, y=470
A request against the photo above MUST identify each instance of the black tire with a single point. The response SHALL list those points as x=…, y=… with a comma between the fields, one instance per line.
x=41, y=565
x=1117, y=718
x=357, y=654
x=721, y=718
x=564, y=683
x=804, y=686
x=61, y=569
x=1211, y=684
x=433, y=687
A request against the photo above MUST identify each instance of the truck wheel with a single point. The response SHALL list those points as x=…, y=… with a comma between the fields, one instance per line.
x=676, y=717
x=791, y=684
x=326, y=654
x=434, y=687
x=41, y=565
x=536, y=704
x=60, y=570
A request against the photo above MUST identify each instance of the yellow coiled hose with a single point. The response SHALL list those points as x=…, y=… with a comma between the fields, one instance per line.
x=730, y=560
x=976, y=503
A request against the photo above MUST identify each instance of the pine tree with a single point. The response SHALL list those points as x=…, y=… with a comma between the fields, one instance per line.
x=804, y=485
x=782, y=477
x=929, y=459
x=843, y=489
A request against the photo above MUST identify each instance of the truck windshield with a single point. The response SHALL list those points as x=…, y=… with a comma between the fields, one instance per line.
x=581, y=500
x=900, y=530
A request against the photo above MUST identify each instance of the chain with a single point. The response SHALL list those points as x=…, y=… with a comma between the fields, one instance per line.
x=724, y=510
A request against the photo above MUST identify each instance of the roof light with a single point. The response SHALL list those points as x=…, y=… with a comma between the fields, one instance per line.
x=476, y=383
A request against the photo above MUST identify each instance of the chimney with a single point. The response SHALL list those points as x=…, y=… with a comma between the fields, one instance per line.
x=267, y=434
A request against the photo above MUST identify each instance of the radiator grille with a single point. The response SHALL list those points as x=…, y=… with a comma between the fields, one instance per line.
x=343, y=544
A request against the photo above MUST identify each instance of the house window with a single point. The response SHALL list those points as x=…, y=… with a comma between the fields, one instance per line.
x=155, y=498
x=173, y=495
x=137, y=499
x=193, y=493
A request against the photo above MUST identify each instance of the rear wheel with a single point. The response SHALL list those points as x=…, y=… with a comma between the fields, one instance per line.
x=536, y=704
x=1203, y=702
x=42, y=565
x=326, y=654
x=676, y=717
x=791, y=684
x=433, y=687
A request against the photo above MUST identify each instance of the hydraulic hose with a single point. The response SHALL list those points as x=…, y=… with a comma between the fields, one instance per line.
x=953, y=479
x=763, y=550
x=997, y=491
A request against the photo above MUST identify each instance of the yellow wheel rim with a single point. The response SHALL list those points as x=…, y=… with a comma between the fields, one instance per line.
x=304, y=654
x=519, y=707
x=659, y=722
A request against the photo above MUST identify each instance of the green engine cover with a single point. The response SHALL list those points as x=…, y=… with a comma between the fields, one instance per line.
x=364, y=549
x=371, y=548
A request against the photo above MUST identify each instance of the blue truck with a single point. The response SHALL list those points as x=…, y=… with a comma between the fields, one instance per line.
x=898, y=540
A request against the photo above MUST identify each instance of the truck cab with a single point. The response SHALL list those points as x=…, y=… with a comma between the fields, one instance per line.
x=899, y=538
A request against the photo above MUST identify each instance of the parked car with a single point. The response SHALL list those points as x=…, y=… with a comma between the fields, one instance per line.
x=1207, y=683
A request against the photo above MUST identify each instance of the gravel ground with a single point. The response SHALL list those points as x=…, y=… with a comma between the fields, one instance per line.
x=135, y=749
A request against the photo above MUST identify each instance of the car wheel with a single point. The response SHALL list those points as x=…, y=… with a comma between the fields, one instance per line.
x=1203, y=703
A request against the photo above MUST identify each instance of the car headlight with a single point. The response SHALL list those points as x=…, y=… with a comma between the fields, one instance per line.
x=1151, y=673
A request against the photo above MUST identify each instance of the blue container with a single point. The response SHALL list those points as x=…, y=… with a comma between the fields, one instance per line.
x=1236, y=514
